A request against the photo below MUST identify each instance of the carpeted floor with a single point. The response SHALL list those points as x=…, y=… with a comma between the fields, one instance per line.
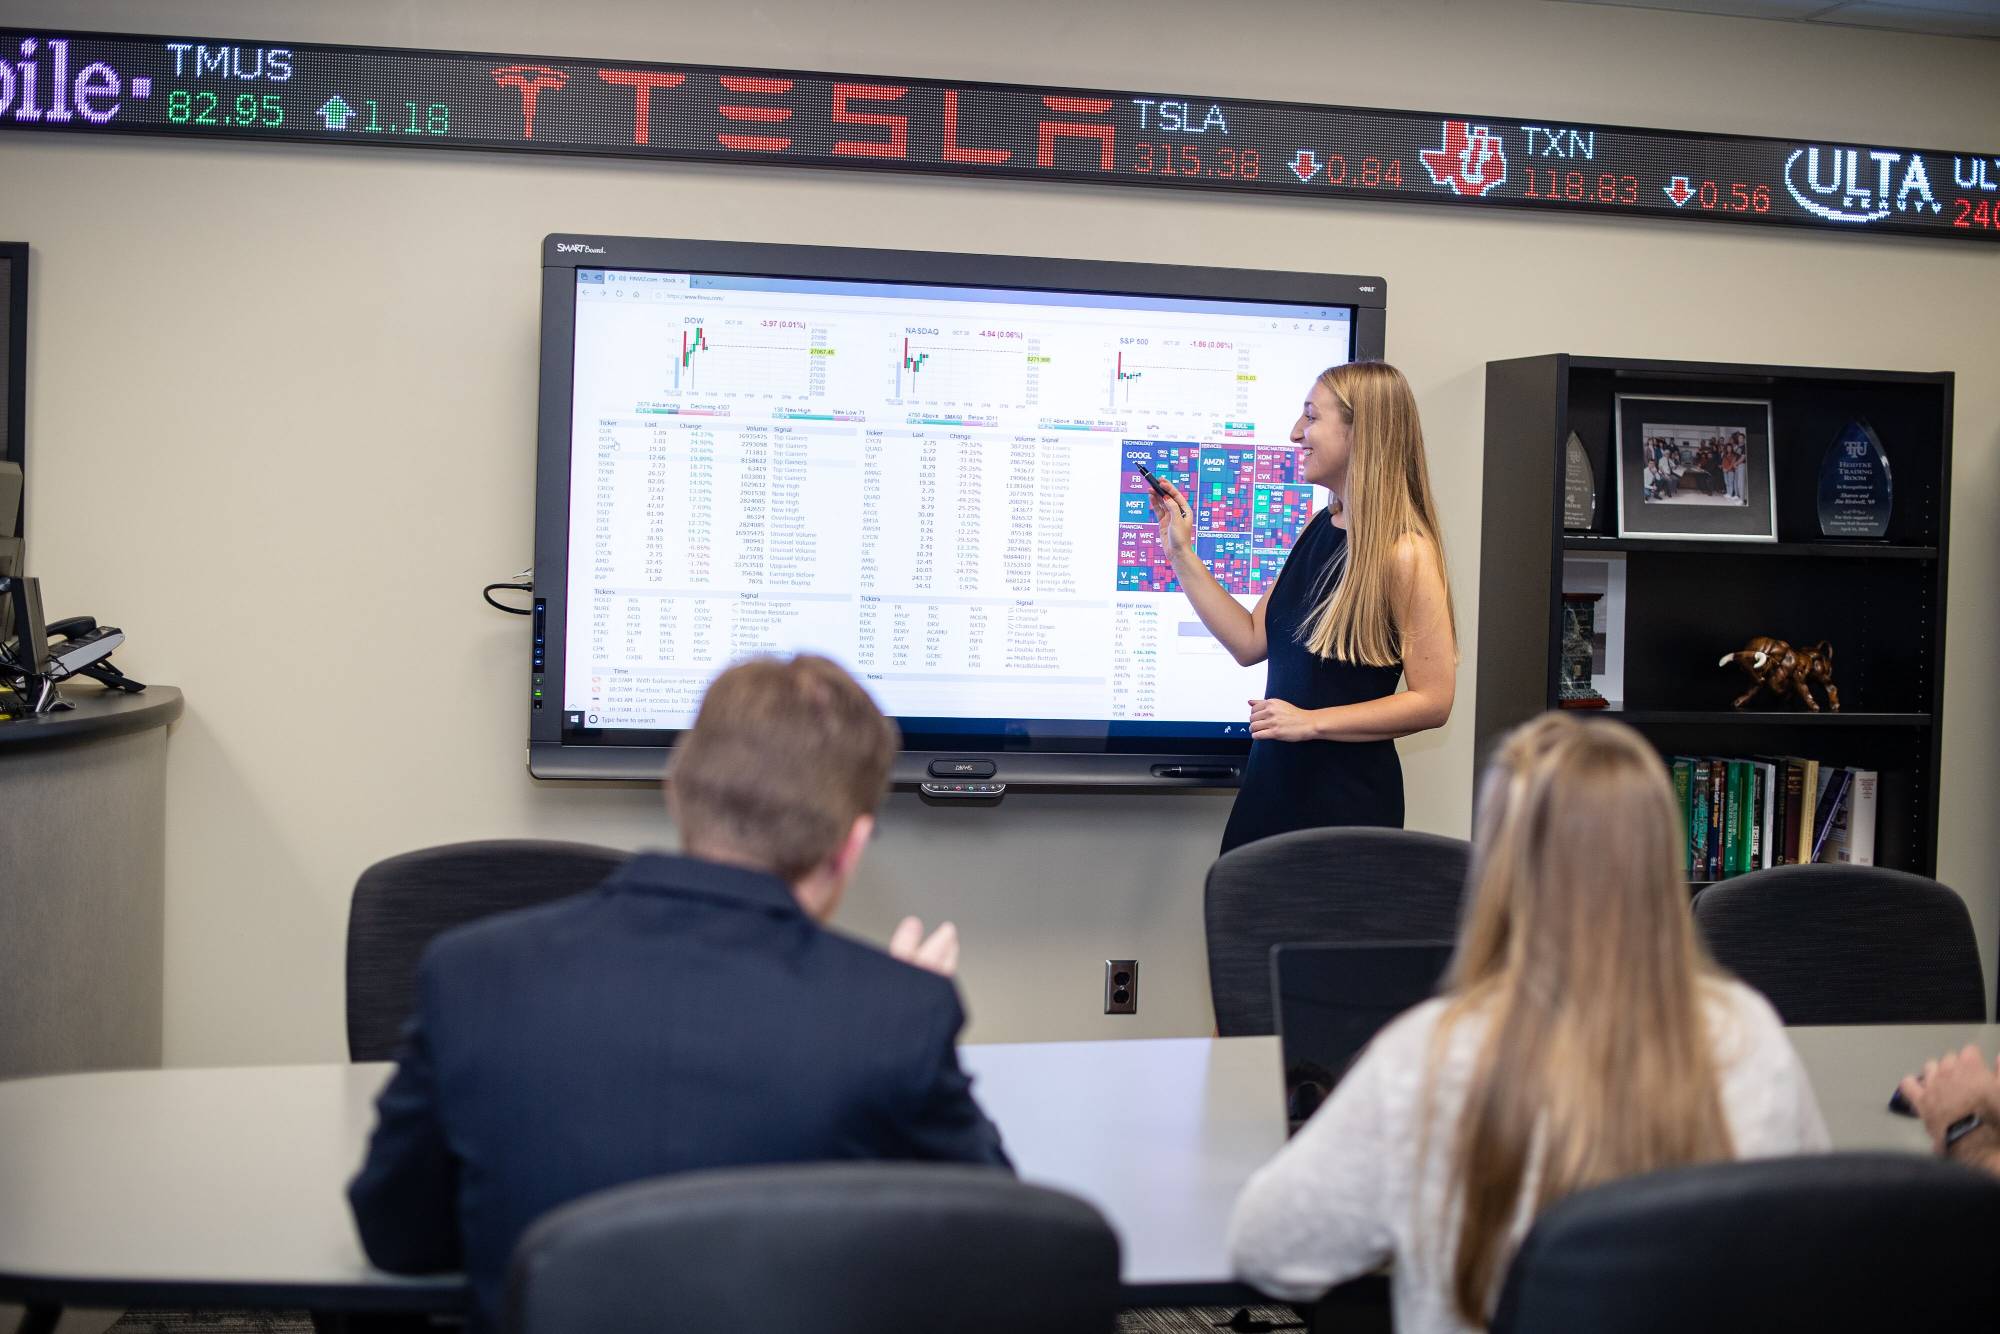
x=213, y=1322
x=1205, y=1319
x=1162, y=1320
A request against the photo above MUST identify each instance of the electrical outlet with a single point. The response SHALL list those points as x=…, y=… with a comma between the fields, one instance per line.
x=1121, y=986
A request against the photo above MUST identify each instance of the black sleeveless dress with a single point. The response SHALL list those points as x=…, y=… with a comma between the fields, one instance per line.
x=1291, y=785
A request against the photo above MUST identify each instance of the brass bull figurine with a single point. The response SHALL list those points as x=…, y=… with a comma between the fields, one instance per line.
x=1774, y=665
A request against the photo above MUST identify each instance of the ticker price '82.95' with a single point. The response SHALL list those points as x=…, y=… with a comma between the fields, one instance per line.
x=100, y=83
x=200, y=106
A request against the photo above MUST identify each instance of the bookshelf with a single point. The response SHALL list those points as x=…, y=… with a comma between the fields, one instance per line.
x=1684, y=603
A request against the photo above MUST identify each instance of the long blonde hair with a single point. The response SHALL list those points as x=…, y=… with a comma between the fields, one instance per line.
x=1388, y=497
x=1579, y=951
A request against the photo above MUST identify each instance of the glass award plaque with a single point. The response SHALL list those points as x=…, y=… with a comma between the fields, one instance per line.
x=1579, y=487
x=1854, y=485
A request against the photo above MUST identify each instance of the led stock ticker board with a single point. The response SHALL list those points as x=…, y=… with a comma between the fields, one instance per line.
x=101, y=84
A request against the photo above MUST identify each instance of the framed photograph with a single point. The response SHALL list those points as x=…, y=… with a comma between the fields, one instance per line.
x=1695, y=468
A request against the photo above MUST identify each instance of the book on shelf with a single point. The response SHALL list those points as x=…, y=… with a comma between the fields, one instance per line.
x=1715, y=857
x=1808, y=802
x=1791, y=795
x=1718, y=802
x=1763, y=807
x=1723, y=865
x=1735, y=817
x=1693, y=785
x=1677, y=765
x=1851, y=835
x=1772, y=810
x=1781, y=782
x=1833, y=787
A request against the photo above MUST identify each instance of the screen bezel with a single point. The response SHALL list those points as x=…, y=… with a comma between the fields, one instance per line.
x=1058, y=753
x=14, y=255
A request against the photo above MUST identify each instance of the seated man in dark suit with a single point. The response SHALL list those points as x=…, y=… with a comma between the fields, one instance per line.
x=691, y=1012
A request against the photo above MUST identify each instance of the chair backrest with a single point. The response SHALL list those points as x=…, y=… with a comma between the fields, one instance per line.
x=1838, y=944
x=1351, y=885
x=401, y=903
x=1844, y=1241
x=829, y=1248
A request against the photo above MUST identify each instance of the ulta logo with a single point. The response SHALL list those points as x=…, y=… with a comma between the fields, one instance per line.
x=1836, y=184
x=28, y=98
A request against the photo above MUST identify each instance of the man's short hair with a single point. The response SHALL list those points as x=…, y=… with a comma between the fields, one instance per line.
x=782, y=758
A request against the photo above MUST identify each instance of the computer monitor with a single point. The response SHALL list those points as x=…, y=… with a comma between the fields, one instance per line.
x=24, y=634
x=1331, y=1000
x=10, y=508
x=13, y=379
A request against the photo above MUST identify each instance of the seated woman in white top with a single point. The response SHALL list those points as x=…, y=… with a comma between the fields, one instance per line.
x=1584, y=1036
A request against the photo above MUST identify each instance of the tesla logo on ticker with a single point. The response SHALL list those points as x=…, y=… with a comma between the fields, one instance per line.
x=531, y=81
x=1471, y=161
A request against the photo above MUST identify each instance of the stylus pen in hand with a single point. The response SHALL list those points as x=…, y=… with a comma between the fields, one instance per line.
x=1154, y=482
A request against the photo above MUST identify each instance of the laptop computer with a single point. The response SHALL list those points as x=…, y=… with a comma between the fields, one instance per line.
x=1330, y=1000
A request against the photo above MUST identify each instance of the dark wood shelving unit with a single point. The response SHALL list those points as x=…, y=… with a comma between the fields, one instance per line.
x=1881, y=605
x=1585, y=542
x=1749, y=718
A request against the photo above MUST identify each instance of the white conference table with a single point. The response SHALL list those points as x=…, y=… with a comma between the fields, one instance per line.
x=225, y=1187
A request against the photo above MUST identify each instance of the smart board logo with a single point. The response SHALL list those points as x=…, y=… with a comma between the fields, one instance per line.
x=1471, y=161
x=1835, y=184
x=577, y=248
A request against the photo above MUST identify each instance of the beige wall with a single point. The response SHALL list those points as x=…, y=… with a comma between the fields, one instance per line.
x=283, y=405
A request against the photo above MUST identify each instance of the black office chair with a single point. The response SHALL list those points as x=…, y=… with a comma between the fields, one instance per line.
x=829, y=1248
x=1834, y=1242
x=1838, y=944
x=1329, y=885
x=401, y=903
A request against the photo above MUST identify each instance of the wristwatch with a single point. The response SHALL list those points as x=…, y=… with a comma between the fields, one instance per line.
x=1959, y=1129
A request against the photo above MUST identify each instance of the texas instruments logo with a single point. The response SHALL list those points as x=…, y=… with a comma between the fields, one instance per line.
x=1471, y=161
